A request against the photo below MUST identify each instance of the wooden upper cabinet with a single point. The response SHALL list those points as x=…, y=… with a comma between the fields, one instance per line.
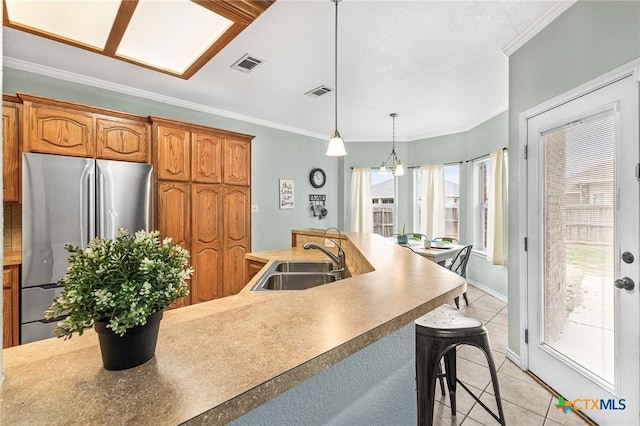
x=173, y=149
x=59, y=127
x=124, y=140
x=54, y=130
x=206, y=164
x=11, y=152
x=237, y=161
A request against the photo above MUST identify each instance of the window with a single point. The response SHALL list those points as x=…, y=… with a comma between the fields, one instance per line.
x=451, y=201
x=482, y=178
x=383, y=197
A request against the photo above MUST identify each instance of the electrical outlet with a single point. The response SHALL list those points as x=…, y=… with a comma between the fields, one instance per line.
x=329, y=243
x=254, y=208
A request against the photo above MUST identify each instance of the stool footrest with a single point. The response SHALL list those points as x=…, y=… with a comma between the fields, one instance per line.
x=479, y=402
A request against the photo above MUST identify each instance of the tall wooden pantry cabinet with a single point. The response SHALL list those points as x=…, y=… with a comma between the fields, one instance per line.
x=203, y=201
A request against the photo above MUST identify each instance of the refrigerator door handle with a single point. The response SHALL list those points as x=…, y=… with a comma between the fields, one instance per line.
x=101, y=215
x=91, y=189
x=87, y=195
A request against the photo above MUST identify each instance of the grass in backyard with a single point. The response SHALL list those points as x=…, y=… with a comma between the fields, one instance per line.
x=590, y=258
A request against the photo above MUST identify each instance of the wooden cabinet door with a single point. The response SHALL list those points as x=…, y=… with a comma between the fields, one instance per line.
x=237, y=162
x=253, y=268
x=173, y=212
x=173, y=218
x=206, y=164
x=173, y=153
x=10, y=152
x=10, y=277
x=57, y=131
x=237, y=234
x=124, y=140
x=206, y=255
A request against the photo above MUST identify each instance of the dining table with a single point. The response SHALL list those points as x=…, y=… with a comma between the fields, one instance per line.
x=438, y=254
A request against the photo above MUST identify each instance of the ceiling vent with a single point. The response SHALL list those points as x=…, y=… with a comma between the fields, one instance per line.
x=246, y=63
x=318, y=91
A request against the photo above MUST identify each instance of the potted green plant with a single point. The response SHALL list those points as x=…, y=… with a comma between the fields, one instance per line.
x=404, y=237
x=121, y=286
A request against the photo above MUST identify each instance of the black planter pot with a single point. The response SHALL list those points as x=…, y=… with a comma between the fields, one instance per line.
x=136, y=347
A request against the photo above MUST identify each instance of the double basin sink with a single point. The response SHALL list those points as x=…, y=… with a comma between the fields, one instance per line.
x=296, y=275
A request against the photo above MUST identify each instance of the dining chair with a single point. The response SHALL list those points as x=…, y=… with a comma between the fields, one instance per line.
x=459, y=266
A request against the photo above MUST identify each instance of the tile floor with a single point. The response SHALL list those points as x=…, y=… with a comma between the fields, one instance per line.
x=524, y=401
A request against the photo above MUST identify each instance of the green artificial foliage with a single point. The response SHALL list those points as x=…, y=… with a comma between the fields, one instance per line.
x=121, y=281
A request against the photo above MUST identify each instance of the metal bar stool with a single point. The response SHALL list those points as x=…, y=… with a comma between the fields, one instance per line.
x=438, y=333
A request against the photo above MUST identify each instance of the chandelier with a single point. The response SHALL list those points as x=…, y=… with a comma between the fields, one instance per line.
x=396, y=167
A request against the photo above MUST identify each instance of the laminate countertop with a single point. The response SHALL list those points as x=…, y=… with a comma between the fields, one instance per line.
x=220, y=359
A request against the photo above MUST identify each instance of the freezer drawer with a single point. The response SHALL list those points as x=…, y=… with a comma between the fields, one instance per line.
x=36, y=300
x=35, y=331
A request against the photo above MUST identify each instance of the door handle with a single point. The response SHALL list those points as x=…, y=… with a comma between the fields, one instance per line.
x=626, y=283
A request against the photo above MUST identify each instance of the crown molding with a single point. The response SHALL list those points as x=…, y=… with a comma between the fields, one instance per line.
x=132, y=91
x=127, y=90
x=538, y=25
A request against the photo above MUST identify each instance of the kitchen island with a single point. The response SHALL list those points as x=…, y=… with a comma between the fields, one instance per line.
x=218, y=360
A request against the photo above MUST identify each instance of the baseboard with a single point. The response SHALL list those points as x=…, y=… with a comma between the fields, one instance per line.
x=489, y=291
x=515, y=358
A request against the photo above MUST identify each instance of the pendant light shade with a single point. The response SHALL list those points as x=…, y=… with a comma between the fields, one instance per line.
x=396, y=165
x=336, y=144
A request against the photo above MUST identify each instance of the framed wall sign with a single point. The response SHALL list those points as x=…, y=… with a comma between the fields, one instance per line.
x=287, y=198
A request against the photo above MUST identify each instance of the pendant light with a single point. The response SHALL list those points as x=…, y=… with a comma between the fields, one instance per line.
x=336, y=144
x=396, y=166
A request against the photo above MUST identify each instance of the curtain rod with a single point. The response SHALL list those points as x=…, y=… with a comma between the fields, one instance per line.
x=444, y=164
x=477, y=158
x=411, y=167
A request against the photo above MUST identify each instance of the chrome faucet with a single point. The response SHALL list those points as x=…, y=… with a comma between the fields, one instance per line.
x=339, y=260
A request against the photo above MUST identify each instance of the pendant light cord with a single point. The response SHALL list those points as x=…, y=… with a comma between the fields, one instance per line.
x=336, y=65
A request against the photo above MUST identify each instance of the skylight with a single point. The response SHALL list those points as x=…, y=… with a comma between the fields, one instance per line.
x=176, y=37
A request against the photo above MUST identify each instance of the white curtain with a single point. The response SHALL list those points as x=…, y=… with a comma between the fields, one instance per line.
x=432, y=210
x=361, y=203
x=496, y=231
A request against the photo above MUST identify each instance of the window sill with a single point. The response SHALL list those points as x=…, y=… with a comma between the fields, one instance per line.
x=478, y=253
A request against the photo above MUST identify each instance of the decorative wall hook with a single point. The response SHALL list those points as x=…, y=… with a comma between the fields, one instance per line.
x=317, y=203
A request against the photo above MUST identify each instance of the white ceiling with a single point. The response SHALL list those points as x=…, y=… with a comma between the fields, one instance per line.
x=438, y=64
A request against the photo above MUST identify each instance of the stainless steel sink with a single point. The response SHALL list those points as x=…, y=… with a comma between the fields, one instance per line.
x=296, y=275
x=304, y=266
x=293, y=281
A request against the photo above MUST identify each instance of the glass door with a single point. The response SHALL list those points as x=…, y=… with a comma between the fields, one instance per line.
x=583, y=232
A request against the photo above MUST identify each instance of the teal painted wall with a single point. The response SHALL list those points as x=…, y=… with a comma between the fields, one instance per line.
x=588, y=40
x=276, y=154
x=490, y=136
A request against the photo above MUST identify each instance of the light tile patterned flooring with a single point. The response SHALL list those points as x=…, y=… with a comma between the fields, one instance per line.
x=524, y=401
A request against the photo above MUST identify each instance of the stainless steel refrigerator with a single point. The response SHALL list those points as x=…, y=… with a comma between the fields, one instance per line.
x=71, y=200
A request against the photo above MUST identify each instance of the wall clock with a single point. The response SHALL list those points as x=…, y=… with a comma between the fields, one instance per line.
x=317, y=177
